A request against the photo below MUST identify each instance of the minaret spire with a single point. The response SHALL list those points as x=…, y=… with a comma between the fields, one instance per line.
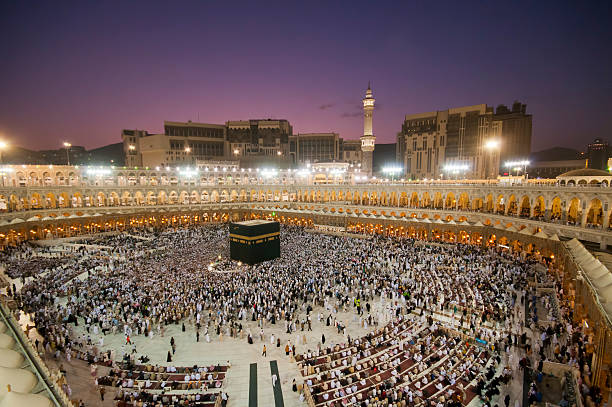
x=367, y=140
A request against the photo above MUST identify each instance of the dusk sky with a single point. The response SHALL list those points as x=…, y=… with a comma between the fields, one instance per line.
x=81, y=71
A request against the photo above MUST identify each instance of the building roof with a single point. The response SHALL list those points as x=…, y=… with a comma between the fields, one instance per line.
x=585, y=172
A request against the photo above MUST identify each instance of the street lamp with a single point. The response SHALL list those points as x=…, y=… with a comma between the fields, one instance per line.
x=67, y=145
x=3, y=146
x=492, y=146
x=392, y=171
x=516, y=165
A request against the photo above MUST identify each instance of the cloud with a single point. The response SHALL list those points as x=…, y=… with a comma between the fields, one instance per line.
x=326, y=106
x=359, y=110
x=354, y=114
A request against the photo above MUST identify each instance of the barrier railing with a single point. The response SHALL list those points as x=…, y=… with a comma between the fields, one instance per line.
x=56, y=394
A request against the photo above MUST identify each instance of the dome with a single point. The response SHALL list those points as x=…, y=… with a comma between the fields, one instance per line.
x=585, y=172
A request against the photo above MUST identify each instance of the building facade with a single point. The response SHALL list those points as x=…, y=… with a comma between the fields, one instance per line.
x=552, y=169
x=598, y=153
x=180, y=144
x=260, y=140
x=315, y=147
x=514, y=132
x=579, y=206
x=466, y=142
x=351, y=152
x=186, y=143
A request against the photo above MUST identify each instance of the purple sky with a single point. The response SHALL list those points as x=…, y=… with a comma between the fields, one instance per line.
x=81, y=71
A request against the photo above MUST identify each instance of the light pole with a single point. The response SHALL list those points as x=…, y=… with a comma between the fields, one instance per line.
x=392, y=171
x=188, y=150
x=3, y=146
x=516, y=165
x=67, y=145
x=492, y=146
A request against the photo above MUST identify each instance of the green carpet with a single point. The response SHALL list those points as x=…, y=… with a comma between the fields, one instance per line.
x=278, y=391
x=253, y=386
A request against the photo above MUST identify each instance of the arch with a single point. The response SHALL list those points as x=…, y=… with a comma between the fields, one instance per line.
x=489, y=205
x=464, y=201
x=100, y=199
x=426, y=200
x=573, y=211
x=151, y=198
x=126, y=198
x=224, y=196
x=500, y=204
x=162, y=198
x=365, y=199
x=525, y=207
x=512, y=206
x=173, y=198
x=36, y=201
x=205, y=197
x=183, y=198
x=139, y=198
x=556, y=212
x=594, y=216
x=539, y=208
x=438, y=201
x=450, y=202
x=214, y=196
x=51, y=202
x=77, y=200
x=63, y=200
x=414, y=200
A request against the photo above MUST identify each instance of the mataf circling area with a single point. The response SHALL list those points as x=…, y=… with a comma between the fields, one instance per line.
x=164, y=317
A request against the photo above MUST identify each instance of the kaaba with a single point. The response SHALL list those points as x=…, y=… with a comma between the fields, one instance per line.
x=254, y=241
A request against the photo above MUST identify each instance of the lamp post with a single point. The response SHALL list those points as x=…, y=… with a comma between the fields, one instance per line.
x=392, y=171
x=516, y=165
x=188, y=150
x=67, y=145
x=456, y=169
x=3, y=146
x=492, y=146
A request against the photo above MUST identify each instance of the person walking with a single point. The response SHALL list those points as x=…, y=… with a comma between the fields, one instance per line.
x=264, y=352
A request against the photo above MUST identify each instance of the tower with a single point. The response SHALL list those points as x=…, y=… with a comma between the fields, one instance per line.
x=367, y=140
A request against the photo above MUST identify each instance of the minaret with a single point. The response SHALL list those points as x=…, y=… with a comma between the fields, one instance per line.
x=367, y=140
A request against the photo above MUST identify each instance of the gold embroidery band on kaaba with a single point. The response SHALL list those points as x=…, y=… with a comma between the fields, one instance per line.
x=254, y=237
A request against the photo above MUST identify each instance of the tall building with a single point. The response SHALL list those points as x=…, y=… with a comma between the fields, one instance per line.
x=598, y=153
x=367, y=140
x=351, y=151
x=315, y=147
x=252, y=142
x=469, y=141
x=180, y=144
x=259, y=138
x=515, y=127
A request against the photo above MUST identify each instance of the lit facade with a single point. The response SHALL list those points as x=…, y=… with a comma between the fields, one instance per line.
x=36, y=196
x=470, y=141
x=430, y=143
x=315, y=147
